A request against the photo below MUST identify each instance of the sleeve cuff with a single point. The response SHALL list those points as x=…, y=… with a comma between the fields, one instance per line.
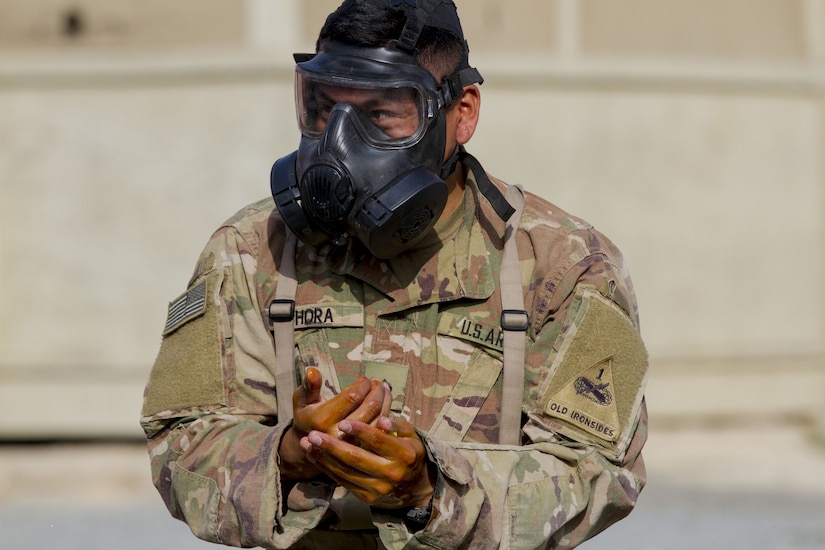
x=304, y=503
x=457, y=502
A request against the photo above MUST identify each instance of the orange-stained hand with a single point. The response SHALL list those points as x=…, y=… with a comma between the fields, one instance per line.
x=363, y=401
x=385, y=464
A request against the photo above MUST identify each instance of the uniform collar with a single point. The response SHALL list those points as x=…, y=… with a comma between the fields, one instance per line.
x=453, y=266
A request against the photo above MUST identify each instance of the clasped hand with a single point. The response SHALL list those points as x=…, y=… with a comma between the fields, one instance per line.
x=351, y=439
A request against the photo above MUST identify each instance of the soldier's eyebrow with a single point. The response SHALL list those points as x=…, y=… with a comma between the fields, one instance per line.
x=364, y=105
x=390, y=95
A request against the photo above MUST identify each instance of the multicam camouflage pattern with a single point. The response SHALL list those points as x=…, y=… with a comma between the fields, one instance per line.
x=429, y=323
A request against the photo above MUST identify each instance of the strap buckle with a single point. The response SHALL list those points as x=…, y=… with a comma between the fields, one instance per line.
x=281, y=310
x=515, y=320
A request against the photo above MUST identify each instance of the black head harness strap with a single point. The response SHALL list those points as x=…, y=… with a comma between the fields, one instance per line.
x=439, y=14
x=486, y=186
x=421, y=13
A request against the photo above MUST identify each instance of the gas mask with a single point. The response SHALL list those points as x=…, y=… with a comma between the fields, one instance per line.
x=373, y=135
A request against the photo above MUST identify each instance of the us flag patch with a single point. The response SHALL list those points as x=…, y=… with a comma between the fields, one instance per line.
x=188, y=306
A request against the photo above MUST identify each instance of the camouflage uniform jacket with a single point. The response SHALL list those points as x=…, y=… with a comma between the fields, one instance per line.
x=428, y=322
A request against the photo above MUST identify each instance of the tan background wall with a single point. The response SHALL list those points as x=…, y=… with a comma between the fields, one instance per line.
x=691, y=132
x=48, y=25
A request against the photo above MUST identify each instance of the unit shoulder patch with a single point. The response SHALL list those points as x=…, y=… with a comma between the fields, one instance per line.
x=598, y=376
x=587, y=401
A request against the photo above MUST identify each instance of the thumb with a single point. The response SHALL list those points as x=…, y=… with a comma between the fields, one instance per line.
x=310, y=390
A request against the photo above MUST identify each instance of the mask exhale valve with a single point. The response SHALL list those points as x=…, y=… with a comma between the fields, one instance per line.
x=402, y=214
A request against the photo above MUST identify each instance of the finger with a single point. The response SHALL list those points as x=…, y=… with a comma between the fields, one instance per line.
x=329, y=414
x=372, y=405
x=387, y=406
x=325, y=415
x=349, y=465
x=388, y=483
x=312, y=383
x=304, y=398
x=310, y=389
x=349, y=454
x=398, y=443
x=385, y=425
x=397, y=428
x=385, y=444
x=376, y=490
x=367, y=489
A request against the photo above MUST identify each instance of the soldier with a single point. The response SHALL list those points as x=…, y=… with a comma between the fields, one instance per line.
x=396, y=349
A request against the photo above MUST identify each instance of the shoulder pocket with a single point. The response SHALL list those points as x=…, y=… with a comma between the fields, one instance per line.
x=597, y=380
x=188, y=371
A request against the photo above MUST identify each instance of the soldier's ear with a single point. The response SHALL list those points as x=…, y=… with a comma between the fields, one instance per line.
x=468, y=106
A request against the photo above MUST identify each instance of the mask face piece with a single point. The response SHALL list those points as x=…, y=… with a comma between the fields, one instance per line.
x=370, y=157
x=387, y=198
x=370, y=162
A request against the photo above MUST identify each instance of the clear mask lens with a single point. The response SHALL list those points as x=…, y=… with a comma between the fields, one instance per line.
x=389, y=114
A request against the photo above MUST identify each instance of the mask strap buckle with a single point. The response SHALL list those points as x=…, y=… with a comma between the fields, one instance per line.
x=453, y=85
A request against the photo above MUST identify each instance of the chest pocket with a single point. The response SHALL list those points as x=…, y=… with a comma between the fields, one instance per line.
x=481, y=343
x=330, y=338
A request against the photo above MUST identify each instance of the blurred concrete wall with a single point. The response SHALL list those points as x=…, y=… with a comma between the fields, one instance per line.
x=690, y=131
